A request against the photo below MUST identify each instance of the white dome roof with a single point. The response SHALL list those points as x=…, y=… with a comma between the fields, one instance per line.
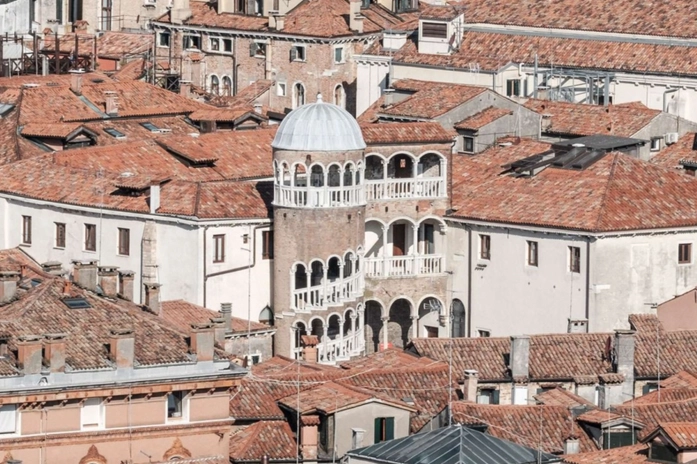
x=319, y=127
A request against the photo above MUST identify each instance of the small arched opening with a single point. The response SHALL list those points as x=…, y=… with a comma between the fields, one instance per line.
x=458, y=329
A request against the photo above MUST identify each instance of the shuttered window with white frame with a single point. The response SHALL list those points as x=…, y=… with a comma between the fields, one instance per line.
x=91, y=413
x=8, y=418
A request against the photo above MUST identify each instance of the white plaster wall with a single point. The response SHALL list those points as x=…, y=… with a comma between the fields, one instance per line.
x=14, y=17
x=363, y=417
x=630, y=273
x=401, y=71
x=371, y=80
x=649, y=90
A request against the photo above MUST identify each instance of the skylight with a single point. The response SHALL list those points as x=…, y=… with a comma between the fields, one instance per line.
x=115, y=133
x=76, y=303
x=150, y=126
x=5, y=108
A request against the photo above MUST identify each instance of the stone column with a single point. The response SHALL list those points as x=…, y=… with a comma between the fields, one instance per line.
x=386, y=338
x=385, y=230
x=414, y=326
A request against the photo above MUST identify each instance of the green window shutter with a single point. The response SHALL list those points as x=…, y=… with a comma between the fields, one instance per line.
x=389, y=428
x=495, y=399
x=378, y=429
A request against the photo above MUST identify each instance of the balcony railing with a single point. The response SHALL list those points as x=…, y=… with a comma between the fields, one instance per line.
x=329, y=293
x=397, y=189
x=336, y=350
x=402, y=266
x=319, y=197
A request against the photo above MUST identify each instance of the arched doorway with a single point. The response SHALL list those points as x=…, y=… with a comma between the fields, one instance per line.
x=458, y=329
x=399, y=324
x=373, y=326
x=430, y=310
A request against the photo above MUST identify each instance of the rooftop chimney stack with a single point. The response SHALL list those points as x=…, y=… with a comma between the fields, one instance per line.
x=109, y=280
x=572, y=445
x=310, y=350
x=520, y=357
x=308, y=437
x=469, y=386
x=8, y=285
x=202, y=341
x=624, y=360
x=85, y=274
x=152, y=297
x=355, y=17
x=126, y=284
x=53, y=267
x=29, y=354
x=111, y=103
x=219, y=326
x=122, y=344
x=181, y=10
x=226, y=311
x=54, y=351
x=154, y=198
x=277, y=21
x=185, y=88
x=76, y=81
x=258, y=108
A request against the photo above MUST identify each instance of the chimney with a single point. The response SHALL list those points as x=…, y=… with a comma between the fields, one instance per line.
x=122, y=343
x=572, y=445
x=152, y=297
x=154, y=198
x=185, y=88
x=67, y=287
x=53, y=267
x=355, y=17
x=202, y=339
x=76, y=81
x=310, y=343
x=8, y=285
x=257, y=107
x=29, y=354
x=111, y=103
x=520, y=357
x=226, y=311
x=54, y=351
x=109, y=280
x=85, y=274
x=469, y=386
x=181, y=11
x=308, y=437
x=126, y=285
x=277, y=21
x=220, y=330
x=624, y=360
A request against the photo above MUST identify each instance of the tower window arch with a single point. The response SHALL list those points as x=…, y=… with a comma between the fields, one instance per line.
x=298, y=95
x=214, y=84
x=227, y=86
x=458, y=314
x=340, y=95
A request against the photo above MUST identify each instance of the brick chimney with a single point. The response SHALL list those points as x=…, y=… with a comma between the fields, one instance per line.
x=152, y=297
x=122, y=343
x=53, y=267
x=469, y=386
x=85, y=274
x=54, y=351
x=185, y=88
x=109, y=280
x=572, y=445
x=202, y=341
x=220, y=330
x=308, y=437
x=226, y=312
x=355, y=17
x=310, y=343
x=8, y=285
x=126, y=284
x=111, y=103
x=624, y=360
x=29, y=354
x=76, y=76
x=277, y=21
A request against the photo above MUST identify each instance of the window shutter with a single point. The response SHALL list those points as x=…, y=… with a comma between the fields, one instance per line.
x=377, y=435
x=293, y=53
x=495, y=397
x=8, y=418
x=253, y=48
x=90, y=413
x=250, y=7
x=389, y=428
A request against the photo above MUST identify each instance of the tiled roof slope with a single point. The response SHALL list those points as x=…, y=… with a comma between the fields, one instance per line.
x=651, y=415
x=683, y=434
x=561, y=397
x=683, y=150
x=676, y=349
x=389, y=359
x=131, y=71
x=543, y=427
x=633, y=454
x=660, y=17
x=617, y=193
x=265, y=438
x=491, y=51
x=430, y=99
x=406, y=132
x=682, y=379
x=666, y=395
x=116, y=45
x=481, y=119
x=578, y=119
x=182, y=314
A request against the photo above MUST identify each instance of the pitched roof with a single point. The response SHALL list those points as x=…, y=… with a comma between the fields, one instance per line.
x=405, y=132
x=130, y=71
x=633, y=454
x=674, y=155
x=389, y=359
x=682, y=379
x=117, y=44
x=651, y=415
x=603, y=197
x=451, y=445
x=51, y=130
x=579, y=119
x=675, y=348
x=264, y=438
x=182, y=314
x=683, y=434
x=665, y=395
x=561, y=397
x=483, y=118
x=430, y=99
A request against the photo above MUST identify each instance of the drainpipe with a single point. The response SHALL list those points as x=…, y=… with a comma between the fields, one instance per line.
x=469, y=281
x=588, y=281
x=205, y=247
x=233, y=91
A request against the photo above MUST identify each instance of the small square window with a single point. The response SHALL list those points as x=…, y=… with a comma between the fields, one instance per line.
x=488, y=396
x=281, y=89
x=257, y=49
x=339, y=55
x=192, y=42
x=227, y=45
x=163, y=39
x=215, y=44
x=175, y=405
x=484, y=247
x=574, y=259
x=468, y=144
x=124, y=242
x=685, y=253
x=513, y=87
x=297, y=53
x=532, y=253
x=655, y=143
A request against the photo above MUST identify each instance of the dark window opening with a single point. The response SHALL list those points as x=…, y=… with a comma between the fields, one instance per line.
x=685, y=253
x=384, y=429
x=163, y=39
x=484, y=247
x=124, y=242
x=175, y=401
x=574, y=259
x=219, y=245
x=267, y=244
x=468, y=144
x=26, y=230
x=297, y=53
x=60, y=235
x=434, y=30
x=90, y=237
x=532, y=253
x=513, y=87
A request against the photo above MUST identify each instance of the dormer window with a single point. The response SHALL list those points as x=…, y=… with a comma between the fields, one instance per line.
x=400, y=6
x=659, y=452
x=434, y=30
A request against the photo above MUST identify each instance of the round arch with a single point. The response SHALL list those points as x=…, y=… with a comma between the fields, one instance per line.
x=458, y=317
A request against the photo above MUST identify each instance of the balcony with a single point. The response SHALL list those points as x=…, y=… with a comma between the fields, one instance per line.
x=301, y=196
x=403, y=176
x=403, y=266
x=314, y=186
x=318, y=286
x=341, y=337
x=330, y=294
x=400, y=189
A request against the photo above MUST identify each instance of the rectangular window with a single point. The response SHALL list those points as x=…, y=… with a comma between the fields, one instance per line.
x=532, y=253
x=267, y=244
x=468, y=144
x=484, y=247
x=124, y=242
x=281, y=89
x=90, y=237
x=60, y=235
x=219, y=248
x=685, y=253
x=513, y=87
x=384, y=429
x=434, y=30
x=163, y=39
x=192, y=42
x=26, y=230
x=91, y=413
x=257, y=49
x=215, y=44
x=574, y=259
x=339, y=55
x=655, y=143
x=175, y=405
x=297, y=53
x=483, y=333
x=488, y=396
x=227, y=45
x=106, y=15
x=8, y=418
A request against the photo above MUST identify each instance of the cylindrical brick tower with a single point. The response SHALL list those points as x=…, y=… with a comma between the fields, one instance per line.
x=319, y=229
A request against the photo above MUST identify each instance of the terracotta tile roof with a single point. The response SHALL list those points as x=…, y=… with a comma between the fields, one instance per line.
x=665, y=395
x=651, y=415
x=561, y=397
x=221, y=114
x=430, y=99
x=182, y=314
x=481, y=119
x=445, y=12
x=676, y=348
x=85, y=43
x=282, y=367
x=491, y=51
x=578, y=119
x=205, y=14
x=406, y=132
x=117, y=45
x=56, y=130
x=598, y=416
x=603, y=197
x=133, y=70
x=51, y=80
x=264, y=438
x=623, y=16
x=683, y=434
x=633, y=454
x=545, y=427
x=674, y=155
x=682, y=379
x=392, y=358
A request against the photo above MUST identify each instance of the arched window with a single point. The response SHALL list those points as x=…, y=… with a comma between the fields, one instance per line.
x=300, y=330
x=333, y=269
x=458, y=328
x=334, y=176
x=317, y=176
x=266, y=315
x=348, y=264
x=317, y=275
x=348, y=174
x=300, y=277
x=227, y=86
x=298, y=95
x=339, y=96
x=215, y=84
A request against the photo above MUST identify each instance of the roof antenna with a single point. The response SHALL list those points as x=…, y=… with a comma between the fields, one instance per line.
x=319, y=98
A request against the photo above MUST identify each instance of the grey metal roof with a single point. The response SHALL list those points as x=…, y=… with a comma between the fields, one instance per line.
x=452, y=445
x=603, y=142
x=319, y=126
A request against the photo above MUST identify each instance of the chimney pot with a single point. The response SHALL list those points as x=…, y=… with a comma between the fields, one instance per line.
x=202, y=341
x=520, y=356
x=226, y=311
x=122, y=347
x=185, y=88
x=469, y=386
x=53, y=267
x=8, y=285
x=76, y=81
x=29, y=354
x=154, y=198
x=126, y=284
x=108, y=280
x=310, y=343
x=572, y=445
x=308, y=437
x=219, y=324
x=85, y=274
x=54, y=351
x=355, y=17
x=624, y=359
x=111, y=103
x=152, y=297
